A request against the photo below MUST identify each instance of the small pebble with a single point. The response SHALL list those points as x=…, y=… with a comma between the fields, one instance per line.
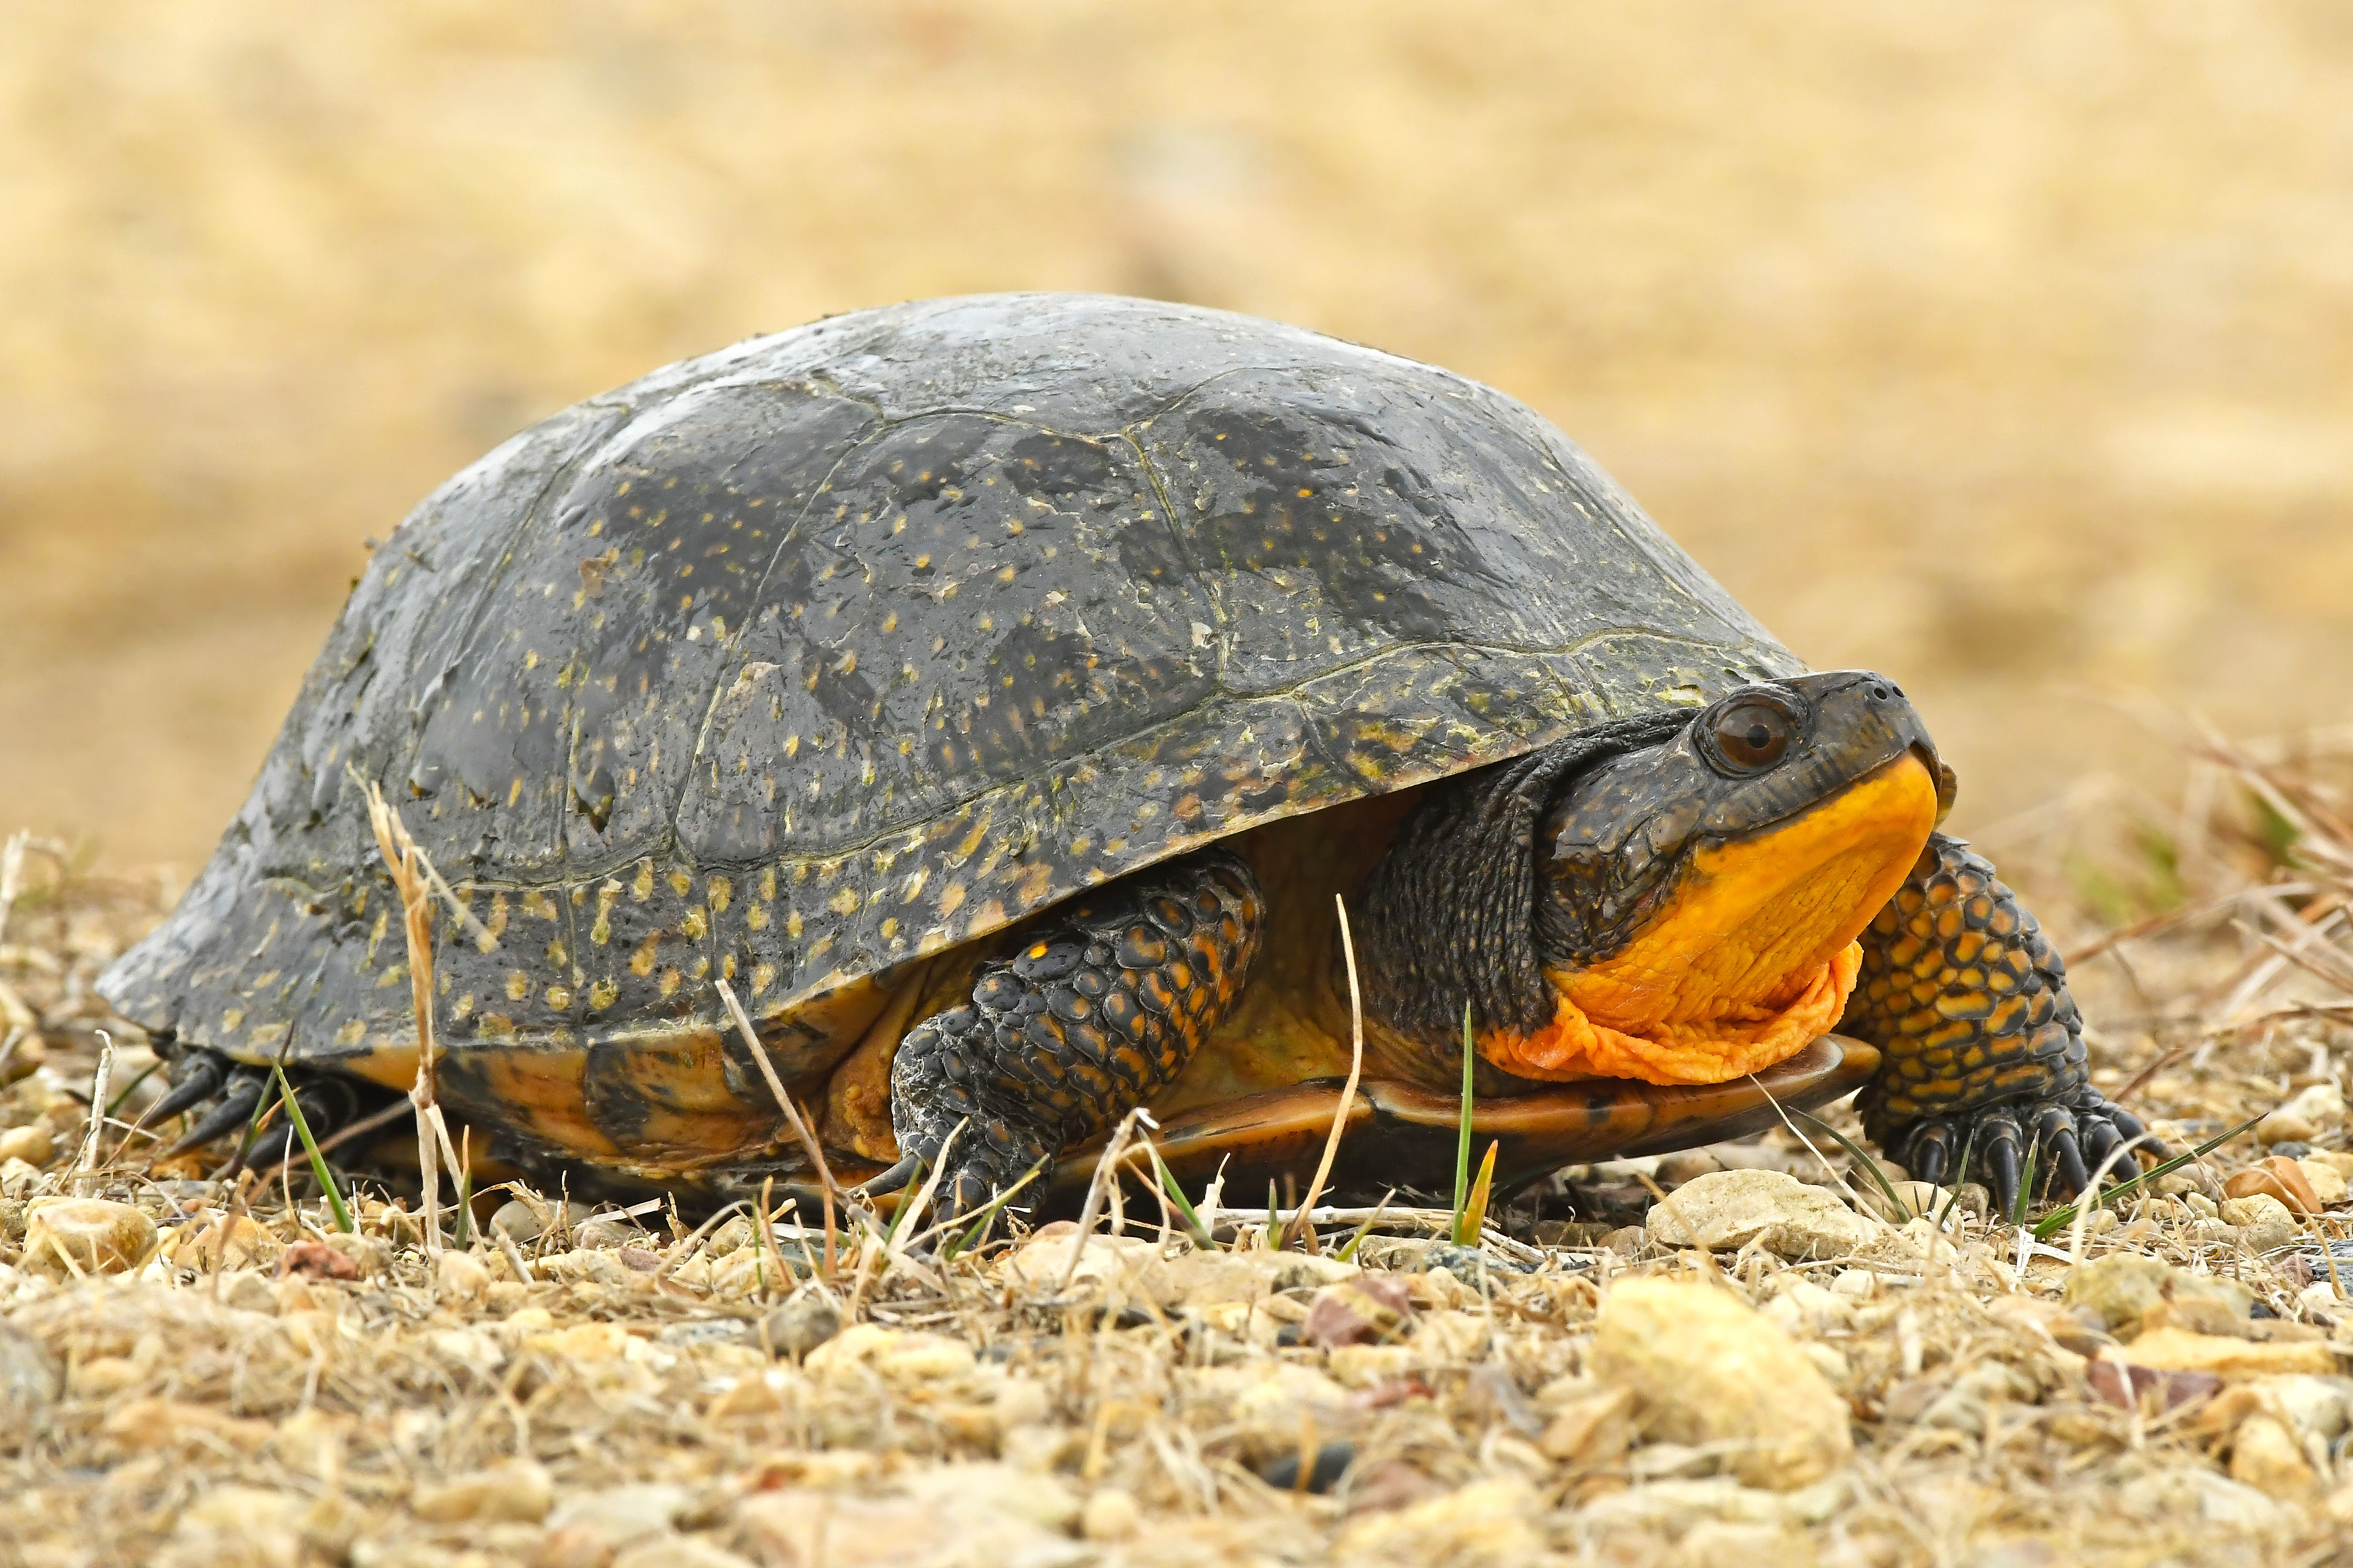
x=521, y=1493
x=520, y=1222
x=807, y=1319
x=1110, y=1514
x=33, y=1143
x=97, y=1236
x=1704, y=1368
x=461, y=1276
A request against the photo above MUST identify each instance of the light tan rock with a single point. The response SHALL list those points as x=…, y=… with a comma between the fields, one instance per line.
x=2304, y=1117
x=33, y=1143
x=2263, y=1223
x=521, y=1493
x=1594, y=1428
x=1041, y=1264
x=807, y=1319
x=1703, y=1368
x=679, y=1552
x=2265, y=1456
x=1487, y=1524
x=2121, y=1287
x=86, y=1236
x=461, y=1276
x=1110, y=1514
x=1727, y=1210
x=961, y=1528
x=2178, y=1350
x=2327, y=1182
x=897, y=1356
x=619, y=1517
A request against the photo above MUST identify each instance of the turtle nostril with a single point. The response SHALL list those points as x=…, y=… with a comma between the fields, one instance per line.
x=1879, y=694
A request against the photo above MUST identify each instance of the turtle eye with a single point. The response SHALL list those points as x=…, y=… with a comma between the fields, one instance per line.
x=1753, y=734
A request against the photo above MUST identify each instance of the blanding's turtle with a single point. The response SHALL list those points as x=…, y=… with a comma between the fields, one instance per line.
x=996, y=691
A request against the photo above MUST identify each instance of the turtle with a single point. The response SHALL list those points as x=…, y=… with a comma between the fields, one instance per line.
x=1035, y=708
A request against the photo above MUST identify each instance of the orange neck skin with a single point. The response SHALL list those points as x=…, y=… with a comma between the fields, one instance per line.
x=1754, y=955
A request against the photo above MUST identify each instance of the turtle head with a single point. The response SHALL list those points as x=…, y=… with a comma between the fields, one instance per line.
x=1697, y=900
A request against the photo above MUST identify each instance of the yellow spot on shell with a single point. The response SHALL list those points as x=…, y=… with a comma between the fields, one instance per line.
x=680, y=883
x=889, y=927
x=464, y=1006
x=671, y=981
x=721, y=890
x=352, y=1032
x=641, y=963
x=793, y=924
x=497, y=1025
x=538, y=905
x=518, y=985
x=603, y=994
x=559, y=997
x=951, y=899
x=762, y=976
x=494, y=927
x=843, y=903
x=643, y=886
x=756, y=917
x=392, y=977
x=233, y=1019
x=692, y=925
x=768, y=882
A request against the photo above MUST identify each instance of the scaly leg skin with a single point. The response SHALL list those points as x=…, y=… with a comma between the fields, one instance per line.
x=232, y=1088
x=1099, y=1006
x=1984, y=1047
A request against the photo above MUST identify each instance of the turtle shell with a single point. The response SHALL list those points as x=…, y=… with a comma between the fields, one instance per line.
x=801, y=660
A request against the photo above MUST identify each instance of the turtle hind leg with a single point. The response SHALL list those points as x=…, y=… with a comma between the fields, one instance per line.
x=1983, y=1044
x=1098, y=1007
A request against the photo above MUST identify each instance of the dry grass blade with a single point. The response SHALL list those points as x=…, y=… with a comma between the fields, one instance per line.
x=409, y=870
x=1105, y=1168
x=86, y=1164
x=793, y=1115
x=1348, y=1091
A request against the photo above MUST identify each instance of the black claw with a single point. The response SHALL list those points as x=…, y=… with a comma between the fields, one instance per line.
x=891, y=1179
x=2069, y=1168
x=272, y=1144
x=2100, y=1140
x=2001, y=1165
x=1929, y=1160
x=2137, y=1135
x=236, y=1108
x=198, y=1081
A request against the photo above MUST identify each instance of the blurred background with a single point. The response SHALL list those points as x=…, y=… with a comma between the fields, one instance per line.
x=2005, y=348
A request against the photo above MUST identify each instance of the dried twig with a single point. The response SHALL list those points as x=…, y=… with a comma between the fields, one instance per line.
x=792, y=1114
x=408, y=868
x=1355, y=1070
x=86, y=1163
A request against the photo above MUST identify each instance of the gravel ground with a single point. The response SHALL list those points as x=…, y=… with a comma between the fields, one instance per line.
x=205, y=1372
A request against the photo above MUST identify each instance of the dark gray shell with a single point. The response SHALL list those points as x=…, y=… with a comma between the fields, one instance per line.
x=798, y=661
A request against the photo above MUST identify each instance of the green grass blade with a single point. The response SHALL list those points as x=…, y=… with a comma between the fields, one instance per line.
x=1473, y=1218
x=310, y=1147
x=1366, y=1229
x=2059, y=1219
x=2026, y=1183
x=1201, y=1236
x=1861, y=1158
x=1462, y=1133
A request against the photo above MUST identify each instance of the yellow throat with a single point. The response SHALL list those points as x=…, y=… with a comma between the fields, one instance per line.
x=1754, y=956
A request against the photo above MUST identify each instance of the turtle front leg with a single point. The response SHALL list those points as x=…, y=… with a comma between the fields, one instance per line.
x=1984, y=1048
x=1098, y=1008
